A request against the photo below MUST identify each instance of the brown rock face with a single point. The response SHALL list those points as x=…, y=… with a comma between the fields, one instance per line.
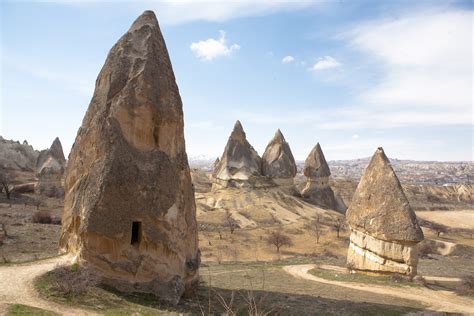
x=239, y=163
x=317, y=190
x=384, y=227
x=278, y=161
x=50, y=167
x=129, y=205
x=379, y=206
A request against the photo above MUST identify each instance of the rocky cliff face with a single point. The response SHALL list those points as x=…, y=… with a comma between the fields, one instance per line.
x=317, y=190
x=384, y=227
x=129, y=204
x=16, y=156
x=240, y=164
x=278, y=162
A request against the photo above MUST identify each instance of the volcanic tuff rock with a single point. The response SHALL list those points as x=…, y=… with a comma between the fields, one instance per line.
x=16, y=156
x=317, y=190
x=129, y=205
x=50, y=169
x=240, y=163
x=384, y=227
x=277, y=161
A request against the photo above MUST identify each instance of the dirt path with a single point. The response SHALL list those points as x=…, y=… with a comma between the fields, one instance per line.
x=16, y=287
x=436, y=300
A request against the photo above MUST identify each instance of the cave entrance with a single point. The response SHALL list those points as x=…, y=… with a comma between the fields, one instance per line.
x=136, y=233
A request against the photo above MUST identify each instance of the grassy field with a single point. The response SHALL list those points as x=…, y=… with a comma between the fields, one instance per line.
x=264, y=287
x=22, y=310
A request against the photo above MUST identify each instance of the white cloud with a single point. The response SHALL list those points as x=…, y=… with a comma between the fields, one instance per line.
x=287, y=59
x=426, y=60
x=326, y=62
x=213, y=48
x=355, y=136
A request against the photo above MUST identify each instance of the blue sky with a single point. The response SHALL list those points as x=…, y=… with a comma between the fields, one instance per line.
x=352, y=75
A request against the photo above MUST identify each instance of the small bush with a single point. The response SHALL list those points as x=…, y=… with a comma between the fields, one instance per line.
x=72, y=280
x=3, y=233
x=419, y=280
x=42, y=217
x=397, y=277
x=466, y=286
x=425, y=249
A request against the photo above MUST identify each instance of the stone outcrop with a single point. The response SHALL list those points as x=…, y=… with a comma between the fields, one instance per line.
x=384, y=229
x=129, y=204
x=240, y=165
x=50, y=167
x=317, y=190
x=16, y=156
x=278, y=162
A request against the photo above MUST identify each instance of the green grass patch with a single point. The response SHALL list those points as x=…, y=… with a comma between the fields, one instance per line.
x=361, y=278
x=20, y=309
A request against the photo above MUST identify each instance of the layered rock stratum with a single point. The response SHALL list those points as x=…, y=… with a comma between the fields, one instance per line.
x=278, y=162
x=240, y=165
x=317, y=190
x=129, y=203
x=384, y=228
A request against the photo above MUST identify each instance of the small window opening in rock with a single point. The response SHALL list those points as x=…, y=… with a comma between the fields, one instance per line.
x=136, y=233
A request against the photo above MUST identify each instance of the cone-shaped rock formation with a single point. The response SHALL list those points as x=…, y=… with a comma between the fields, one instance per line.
x=239, y=163
x=278, y=162
x=129, y=205
x=384, y=227
x=317, y=190
x=50, y=167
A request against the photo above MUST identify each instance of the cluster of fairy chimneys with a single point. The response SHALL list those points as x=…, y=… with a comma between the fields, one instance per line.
x=241, y=166
x=384, y=229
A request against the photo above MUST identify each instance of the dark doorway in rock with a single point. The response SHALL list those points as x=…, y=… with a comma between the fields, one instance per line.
x=136, y=233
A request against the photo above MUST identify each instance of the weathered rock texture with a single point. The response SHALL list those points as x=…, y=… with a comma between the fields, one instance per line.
x=50, y=169
x=278, y=162
x=240, y=165
x=16, y=156
x=317, y=190
x=129, y=205
x=384, y=228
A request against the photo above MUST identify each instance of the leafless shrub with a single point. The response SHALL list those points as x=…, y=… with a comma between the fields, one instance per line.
x=398, y=278
x=425, y=249
x=278, y=239
x=466, y=286
x=42, y=217
x=419, y=280
x=72, y=280
x=231, y=223
x=338, y=225
x=6, y=181
x=3, y=233
x=314, y=228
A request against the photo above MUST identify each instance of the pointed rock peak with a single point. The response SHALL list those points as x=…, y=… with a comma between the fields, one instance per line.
x=238, y=131
x=279, y=137
x=379, y=206
x=315, y=165
x=146, y=18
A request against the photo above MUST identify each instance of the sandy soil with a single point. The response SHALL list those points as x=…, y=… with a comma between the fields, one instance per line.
x=16, y=287
x=454, y=219
x=437, y=300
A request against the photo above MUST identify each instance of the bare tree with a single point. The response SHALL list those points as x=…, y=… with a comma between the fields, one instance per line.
x=338, y=225
x=230, y=221
x=6, y=179
x=438, y=228
x=278, y=239
x=314, y=228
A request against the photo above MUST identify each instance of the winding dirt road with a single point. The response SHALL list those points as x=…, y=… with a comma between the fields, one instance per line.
x=435, y=300
x=16, y=287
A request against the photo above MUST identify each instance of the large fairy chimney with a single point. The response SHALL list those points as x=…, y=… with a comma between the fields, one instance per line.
x=278, y=162
x=240, y=164
x=129, y=203
x=384, y=229
x=317, y=190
